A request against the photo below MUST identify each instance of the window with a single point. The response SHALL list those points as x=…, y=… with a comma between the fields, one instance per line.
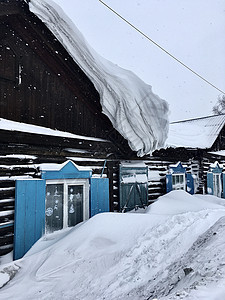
x=217, y=185
x=178, y=181
x=67, y=203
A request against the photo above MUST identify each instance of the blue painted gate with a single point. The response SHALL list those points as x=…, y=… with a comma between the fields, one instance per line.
x=133, y=186
x=99, y=195
x=29, y=223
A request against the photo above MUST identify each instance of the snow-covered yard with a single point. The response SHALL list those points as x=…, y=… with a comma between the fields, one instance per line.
x=174, y=250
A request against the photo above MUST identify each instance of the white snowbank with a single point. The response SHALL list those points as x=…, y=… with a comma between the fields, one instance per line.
x=135, y=111
x=174, y=251
x=177, y=202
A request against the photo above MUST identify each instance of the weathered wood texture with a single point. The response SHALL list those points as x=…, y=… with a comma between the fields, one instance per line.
x=21, y=155
x=41, y=84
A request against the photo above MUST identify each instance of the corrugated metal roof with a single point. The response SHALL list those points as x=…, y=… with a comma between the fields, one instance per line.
x=195, y=133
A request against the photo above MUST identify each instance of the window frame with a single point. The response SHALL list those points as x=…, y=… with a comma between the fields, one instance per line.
x=66, y=183
x=184, y=181
x=216, y=187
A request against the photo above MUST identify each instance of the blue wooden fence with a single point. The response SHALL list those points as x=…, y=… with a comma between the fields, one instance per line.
x=29, y=214
x=99, y=195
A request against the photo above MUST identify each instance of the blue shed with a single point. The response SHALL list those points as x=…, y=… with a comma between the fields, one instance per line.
x=214, y=179
x=64, y=196
x=179, y=179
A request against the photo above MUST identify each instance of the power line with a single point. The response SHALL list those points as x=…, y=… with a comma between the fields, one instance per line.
x=160, y=47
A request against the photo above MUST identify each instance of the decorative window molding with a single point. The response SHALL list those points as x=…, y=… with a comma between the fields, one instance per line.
x=66, y=203
x=178, y=179
x=214, y=180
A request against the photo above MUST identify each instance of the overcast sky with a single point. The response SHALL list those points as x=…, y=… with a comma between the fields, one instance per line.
x=191, y=30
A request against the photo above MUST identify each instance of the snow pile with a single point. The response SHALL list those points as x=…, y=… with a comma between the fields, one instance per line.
x=174, y=251
x=135, y=111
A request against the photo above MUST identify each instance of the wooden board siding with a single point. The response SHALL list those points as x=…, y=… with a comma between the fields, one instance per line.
x=41, y=98
x=44, y=86
x=22, y=159
x=22, y=153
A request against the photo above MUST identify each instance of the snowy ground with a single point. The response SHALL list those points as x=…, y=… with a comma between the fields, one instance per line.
x=175, y=250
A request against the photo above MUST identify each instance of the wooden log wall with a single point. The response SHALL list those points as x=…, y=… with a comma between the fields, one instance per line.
x=157, y=175
x=11, y=168
x=21, y=154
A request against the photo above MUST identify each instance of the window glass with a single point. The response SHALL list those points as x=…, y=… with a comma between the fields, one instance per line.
x=178, y=182
x=174, y=179
x=75, y=204
x=54, y=207
x=181, y=178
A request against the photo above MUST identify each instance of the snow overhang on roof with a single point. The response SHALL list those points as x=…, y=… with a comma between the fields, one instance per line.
x=34, y=129
x=134, y=110
x=195, y=133
x=219, y=153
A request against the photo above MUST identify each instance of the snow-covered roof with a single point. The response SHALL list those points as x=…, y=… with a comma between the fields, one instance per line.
x=195, y=133
x=216, y=164
x=58, y=167
x=134, y=110
x=220, y=152
x=23, y=127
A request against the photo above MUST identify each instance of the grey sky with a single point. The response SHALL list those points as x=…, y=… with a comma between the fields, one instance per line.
x=192, y=30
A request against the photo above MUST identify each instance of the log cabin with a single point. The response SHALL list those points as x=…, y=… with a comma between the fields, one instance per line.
x=52, y=125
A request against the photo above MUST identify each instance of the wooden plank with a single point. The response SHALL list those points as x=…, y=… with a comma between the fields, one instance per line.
x=7, y=218
x=99, y=195
x=7, y=183
x=29, y=214
x=6, y=229
x=6, y=240
x=7, y=8
x=6, y=249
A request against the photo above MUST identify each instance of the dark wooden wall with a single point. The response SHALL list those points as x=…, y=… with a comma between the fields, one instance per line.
x=31, y=93
x=41, y=84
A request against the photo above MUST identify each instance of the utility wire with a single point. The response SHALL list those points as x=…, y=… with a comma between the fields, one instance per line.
x=160, y=47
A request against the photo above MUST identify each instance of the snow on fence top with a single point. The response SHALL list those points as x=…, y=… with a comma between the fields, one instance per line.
x=135, y=111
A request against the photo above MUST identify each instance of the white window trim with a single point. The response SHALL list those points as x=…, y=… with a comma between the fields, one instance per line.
x=184, y=180
x=214, y=185
x=66, y=183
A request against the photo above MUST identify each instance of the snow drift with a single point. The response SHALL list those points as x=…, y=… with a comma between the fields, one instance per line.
x=135, y=111
x=173, y=251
